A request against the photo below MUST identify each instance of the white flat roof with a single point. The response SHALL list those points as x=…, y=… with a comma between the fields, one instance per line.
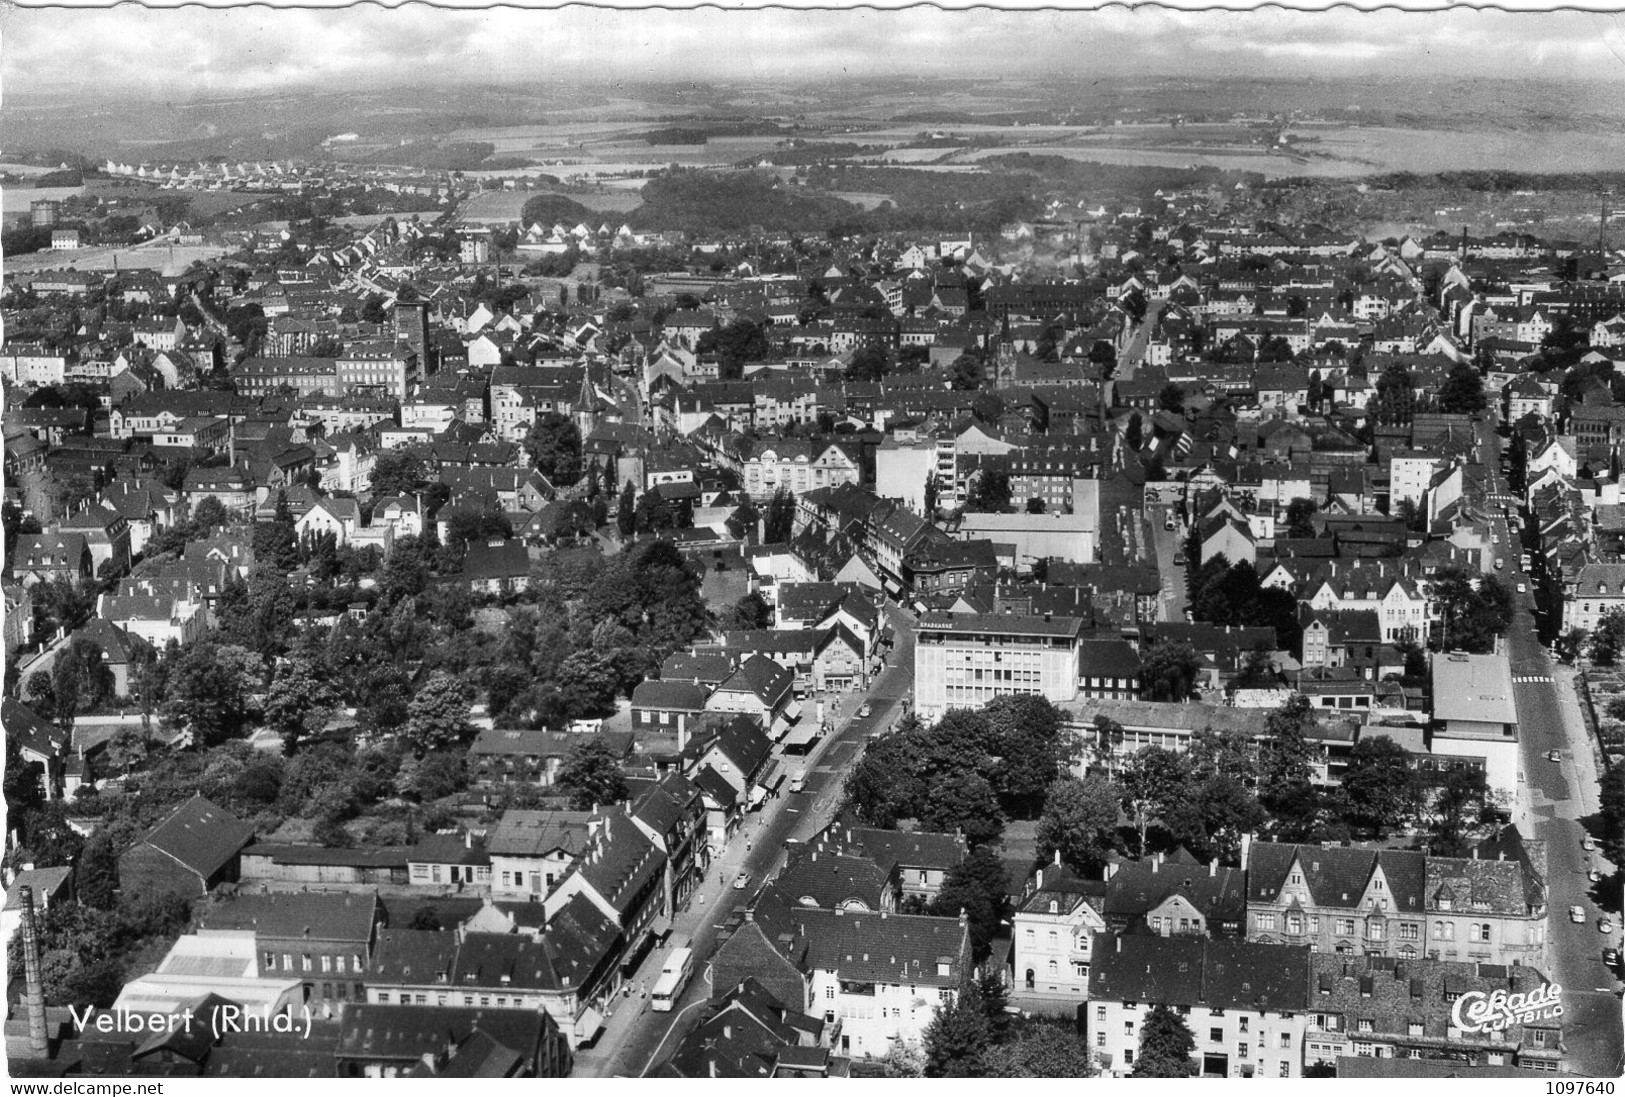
x=1476, y=688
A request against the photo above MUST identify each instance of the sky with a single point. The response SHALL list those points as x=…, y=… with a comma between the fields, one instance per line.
x=206, y=51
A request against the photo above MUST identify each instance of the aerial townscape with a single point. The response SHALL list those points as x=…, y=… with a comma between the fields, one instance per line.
x=926, y=577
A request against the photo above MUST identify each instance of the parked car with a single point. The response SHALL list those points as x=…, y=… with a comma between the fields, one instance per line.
x=1605, y=925
x=1169, y=524
x=1588, y=843
x=798, y=782
x=1595, y=876
x=1522, y=589
x=1610, y=956
x=865, y=710
x=742, y=881
x=1577, y=915
x=1554, y=756
x=1179, y=558
x=1500, y=562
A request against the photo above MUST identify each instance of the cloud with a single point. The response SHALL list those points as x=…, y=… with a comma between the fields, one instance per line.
x=169, y=52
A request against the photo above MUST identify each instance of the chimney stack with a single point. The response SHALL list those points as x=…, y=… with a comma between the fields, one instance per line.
x=38, y=1044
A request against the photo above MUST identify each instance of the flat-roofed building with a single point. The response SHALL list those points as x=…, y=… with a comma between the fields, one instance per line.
x=1475, y=717
x=966, y=660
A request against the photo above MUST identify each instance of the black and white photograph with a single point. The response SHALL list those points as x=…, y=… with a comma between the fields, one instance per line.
x=717, y=544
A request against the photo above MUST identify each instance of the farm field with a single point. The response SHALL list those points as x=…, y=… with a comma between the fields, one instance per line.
x=1236, y=160
x=1390, y=149
x=502, y=207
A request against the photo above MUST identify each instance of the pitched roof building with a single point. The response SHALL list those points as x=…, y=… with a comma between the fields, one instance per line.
x=195, y=847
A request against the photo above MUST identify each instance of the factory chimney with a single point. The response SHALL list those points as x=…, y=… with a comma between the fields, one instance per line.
x=38, y=1045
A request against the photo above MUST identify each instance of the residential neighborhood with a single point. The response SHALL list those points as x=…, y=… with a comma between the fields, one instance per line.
x=1154, y=638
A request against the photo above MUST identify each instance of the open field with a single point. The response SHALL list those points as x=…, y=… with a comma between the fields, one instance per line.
x=861, y=199
x=511, y=140
x=1389, y=149
x=916, y=156
x=1235, y=161
x=502, y=207
x=159, y=257
x=14, y=200
x=202, y=203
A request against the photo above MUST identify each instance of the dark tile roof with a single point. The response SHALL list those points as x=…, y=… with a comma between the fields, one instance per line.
x=1250, y=976
x=738, y=736
x=1155, y=970
x=200, y=835
x=504, y=559
x=1497, y=887
x=899, y=849
x=747, y=1033
x=658, y=693
x=1392, y=994
x=289, y=853
x=525, y=833
x=1107, y=659
x=665, y=805
x=404, y=1033
x=711, y=784
x=829, y=880
x=761, y=676
x=477, y=1055
x=1063, y=888
x=884, y=948
x=449, y=849
x=31, y=730
x=412, y=956
x=318, y=916
x=619, y=861
x=1139, y=886
x=1336, y=877
x=706, y=669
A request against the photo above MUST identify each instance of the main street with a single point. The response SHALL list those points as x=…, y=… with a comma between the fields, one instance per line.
x=1554, y=798
x=1129, y=361
x=635, y=1034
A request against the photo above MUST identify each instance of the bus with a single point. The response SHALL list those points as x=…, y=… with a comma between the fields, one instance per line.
x=674, y=977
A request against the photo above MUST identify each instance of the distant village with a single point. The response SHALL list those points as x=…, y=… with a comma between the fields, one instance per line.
x=550, y=649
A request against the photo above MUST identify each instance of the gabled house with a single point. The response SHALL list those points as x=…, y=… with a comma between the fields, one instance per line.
x=497, y=566
x=47, y=557
x=879, y=978
x=621, y=871
x=42, y=746
x=1052, y=933
x=758, y=687
x=668, y=707
x=1176, y=895
x=531, y=851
